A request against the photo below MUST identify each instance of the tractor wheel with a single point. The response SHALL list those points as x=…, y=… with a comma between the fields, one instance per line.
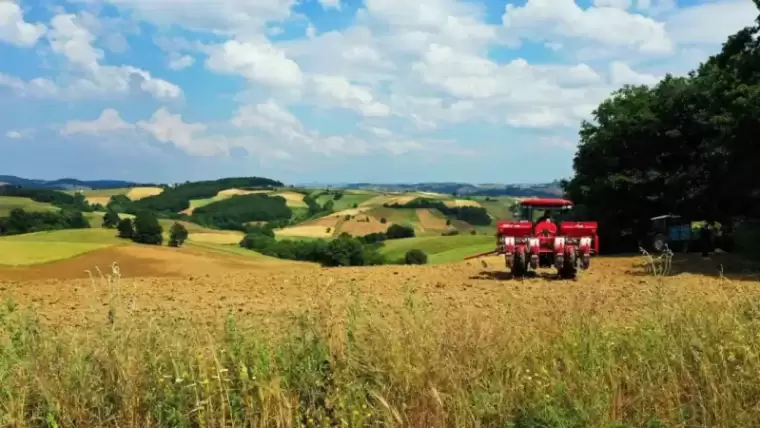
x=659, y=242
x=570, y=267
x=520, y=267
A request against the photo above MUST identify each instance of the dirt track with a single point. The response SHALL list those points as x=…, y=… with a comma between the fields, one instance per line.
x=198, y=284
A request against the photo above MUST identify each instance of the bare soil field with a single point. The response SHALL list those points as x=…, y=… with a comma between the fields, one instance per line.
x=201, y=283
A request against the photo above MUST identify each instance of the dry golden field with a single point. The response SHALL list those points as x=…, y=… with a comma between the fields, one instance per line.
x=213, y=335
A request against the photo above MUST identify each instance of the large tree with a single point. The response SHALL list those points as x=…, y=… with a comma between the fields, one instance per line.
x=686, y=145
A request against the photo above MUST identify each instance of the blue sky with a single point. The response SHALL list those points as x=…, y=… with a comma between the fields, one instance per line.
x=328, y=90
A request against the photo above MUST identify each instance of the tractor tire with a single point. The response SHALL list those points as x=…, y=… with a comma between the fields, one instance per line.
x=520, y=267
x=569, y=267
x=659, y=243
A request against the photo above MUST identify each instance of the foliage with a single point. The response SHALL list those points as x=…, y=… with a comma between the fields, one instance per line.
x=176, y=199
x=415, y=257
x=110, y=219
x=397, y=231
x=232, y=213
x=119, y=203
x=147, y=229
x=177, y=235
x=343, y=251
x=60, y=199
x=687, y=145
x=20, y=221
x=477, y=216
x=125, y=228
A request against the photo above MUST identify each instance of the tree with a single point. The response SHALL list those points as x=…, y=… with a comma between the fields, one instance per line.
x=344, y=252
x=397, y=231
x=110, y=219
x=685, y=145
x=147, y=229
x=125, y=228
x=415, y=257
x=177, y=235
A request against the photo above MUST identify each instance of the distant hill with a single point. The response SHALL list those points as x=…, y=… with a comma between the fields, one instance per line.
x=548, y=190
x=64, y=183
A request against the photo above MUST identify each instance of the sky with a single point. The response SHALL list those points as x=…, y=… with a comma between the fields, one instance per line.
x=329, y=90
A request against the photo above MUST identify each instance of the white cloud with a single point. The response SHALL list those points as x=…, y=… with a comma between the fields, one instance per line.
x=180, y=62
x=15, y=135
x=14, y=30
x=108, y=122
x=607, y=26
x=70, y=38
x=166, y=127
x=257, y=61
x=338, y=91
x=710, y=23
x=622, y=74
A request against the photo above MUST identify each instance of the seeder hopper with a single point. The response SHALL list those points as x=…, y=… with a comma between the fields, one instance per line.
x=548, y=241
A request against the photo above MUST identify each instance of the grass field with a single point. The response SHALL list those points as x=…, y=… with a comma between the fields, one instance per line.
x=257, y=343
x=9, y=203
x=43, y=247
x=349, y=199
x=440, y=249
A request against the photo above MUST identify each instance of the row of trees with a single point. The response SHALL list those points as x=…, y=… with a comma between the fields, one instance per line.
x=20, y=221
x=687, y=145
x=233, y=213
x=175, y=199
x=342, y=251
x=53, y=197
x=145, y=229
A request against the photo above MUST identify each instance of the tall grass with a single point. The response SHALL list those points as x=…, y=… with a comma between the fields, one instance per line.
x=678, y=365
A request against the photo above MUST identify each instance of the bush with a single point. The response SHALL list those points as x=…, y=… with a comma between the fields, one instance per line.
x=177, y=235
x=20, y=221
x=383, y=220
x=125, y=228
x=451, y=232
x=110, y=219
x=415, y=257
x=397, y=231
x=147, y=229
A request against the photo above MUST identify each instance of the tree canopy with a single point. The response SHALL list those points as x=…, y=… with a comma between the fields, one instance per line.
x=685, y=145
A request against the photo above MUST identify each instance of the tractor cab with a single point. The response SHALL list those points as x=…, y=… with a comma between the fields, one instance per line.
x=545, y=213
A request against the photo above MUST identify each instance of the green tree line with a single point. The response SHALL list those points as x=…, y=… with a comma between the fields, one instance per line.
x=20, y=221
x=686, y=145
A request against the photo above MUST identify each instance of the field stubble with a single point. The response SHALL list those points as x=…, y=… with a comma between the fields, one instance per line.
x=274, y=343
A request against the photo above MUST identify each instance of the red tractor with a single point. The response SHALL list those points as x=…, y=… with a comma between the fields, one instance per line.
x=542, y=238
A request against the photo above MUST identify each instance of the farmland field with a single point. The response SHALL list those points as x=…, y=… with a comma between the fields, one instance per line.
x=9, y=203
x=419, y=336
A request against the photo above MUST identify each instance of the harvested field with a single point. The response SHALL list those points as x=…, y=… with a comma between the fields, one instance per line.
x=236, y=192
x=414, y=336
x=357, y=226
x=430, y=222
x=137, y=193
x=461, y=203
x=614, y=288
x=293, y=199
x=216, y=238
x=102, y=200
x=310, y=231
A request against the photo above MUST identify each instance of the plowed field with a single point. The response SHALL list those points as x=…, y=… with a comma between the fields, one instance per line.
x=198, y=282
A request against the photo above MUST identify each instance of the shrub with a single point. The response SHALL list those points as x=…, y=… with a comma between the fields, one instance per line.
x=110, y=219
x=125, y=228
x=177, y=235
x=383, y=220
x=397, y=231
x=147, y=229
x=415, y=257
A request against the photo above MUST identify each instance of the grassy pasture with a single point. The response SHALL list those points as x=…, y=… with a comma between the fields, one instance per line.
x=440, y=249
x=43, y=247
x=9, y=203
